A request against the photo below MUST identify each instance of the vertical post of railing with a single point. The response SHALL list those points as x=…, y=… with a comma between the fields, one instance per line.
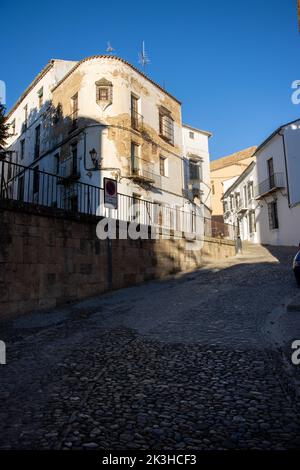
x=2, y=180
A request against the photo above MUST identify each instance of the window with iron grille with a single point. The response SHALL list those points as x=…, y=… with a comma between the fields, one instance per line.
x=251, y=221
x=134, y=112
x=37, y=141
x=162, y=166
x=273, y=215
x=104, y=92
x=166, y=125
x=270, y=164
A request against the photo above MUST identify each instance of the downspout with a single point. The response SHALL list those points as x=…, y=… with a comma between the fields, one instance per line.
x=285, y=165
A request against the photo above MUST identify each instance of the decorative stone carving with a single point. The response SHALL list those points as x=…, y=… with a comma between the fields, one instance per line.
x=104, y=93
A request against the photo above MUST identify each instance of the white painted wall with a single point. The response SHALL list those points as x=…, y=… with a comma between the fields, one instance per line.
x=197, y=145
x=288, y=232
x=240, y=215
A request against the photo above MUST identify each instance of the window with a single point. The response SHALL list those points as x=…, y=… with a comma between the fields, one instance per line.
x=192, y=135
x=22, y=149
x=250, y=190
x=251, y=221
x=74, y=158
x=225, y=206
x=25, y=117
x=104, y=92
x=231, y=202
x=37, y=141
x=273, y=215
x=134, y=112
x=270, y=164
x=40, y=97
x=245, y=196
x=195, y=170
x=237, y=200
x=21, y=188
x=135, y=148
x=13, y=127
x=213, y=188
x=36, y=180
x=74, y=110
x=162, y=166
x=166, y=125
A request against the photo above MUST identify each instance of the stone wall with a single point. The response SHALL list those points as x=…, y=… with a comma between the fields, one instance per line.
x=48, y=258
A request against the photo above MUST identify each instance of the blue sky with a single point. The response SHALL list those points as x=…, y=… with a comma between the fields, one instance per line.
x=230, y=63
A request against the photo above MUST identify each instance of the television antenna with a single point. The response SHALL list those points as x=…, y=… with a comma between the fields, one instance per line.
x=143, y=57
x=109, y=48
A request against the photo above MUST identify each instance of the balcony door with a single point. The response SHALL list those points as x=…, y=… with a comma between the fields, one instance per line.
x=134, y=111
x=134, y=158
x=271, y=173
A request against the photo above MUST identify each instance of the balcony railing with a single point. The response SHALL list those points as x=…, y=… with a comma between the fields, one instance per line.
x=31, y=186
x=269, y=185
x=241, y=205
x=143, y=171
x=68, y=169
x=137, y=121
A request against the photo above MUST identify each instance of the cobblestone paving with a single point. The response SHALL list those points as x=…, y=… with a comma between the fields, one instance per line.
x=186, y=363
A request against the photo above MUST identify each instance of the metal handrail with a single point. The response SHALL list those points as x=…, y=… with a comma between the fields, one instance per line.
x=275, y=181
x=41, y=188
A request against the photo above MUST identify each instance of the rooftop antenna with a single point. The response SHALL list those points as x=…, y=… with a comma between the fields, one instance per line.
x=143, y=57
x=109, y=48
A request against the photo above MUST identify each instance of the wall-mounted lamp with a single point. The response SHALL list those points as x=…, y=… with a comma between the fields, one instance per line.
x=94, y=157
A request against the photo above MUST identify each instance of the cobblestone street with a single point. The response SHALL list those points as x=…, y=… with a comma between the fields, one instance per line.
x=194, y=362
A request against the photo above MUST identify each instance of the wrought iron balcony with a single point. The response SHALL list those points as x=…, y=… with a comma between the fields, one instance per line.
x=241, y=206
x=69, y=169
x=142, y=171
x=136, y=121
x=269, y=185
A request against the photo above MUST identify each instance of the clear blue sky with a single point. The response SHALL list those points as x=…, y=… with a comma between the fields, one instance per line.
x=231, y=63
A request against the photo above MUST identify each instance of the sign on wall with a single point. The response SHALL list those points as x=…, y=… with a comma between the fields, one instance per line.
x=110, y=193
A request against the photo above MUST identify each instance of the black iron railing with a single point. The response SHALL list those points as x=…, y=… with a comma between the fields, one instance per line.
x=136, y=120
x=275, y=181
x=41, y=188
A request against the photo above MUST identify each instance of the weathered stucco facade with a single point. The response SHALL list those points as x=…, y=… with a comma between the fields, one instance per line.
x=115, y=120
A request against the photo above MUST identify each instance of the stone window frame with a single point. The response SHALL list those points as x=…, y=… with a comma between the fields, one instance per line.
x=104, y=85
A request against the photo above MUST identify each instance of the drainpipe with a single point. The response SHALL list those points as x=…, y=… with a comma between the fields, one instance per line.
x=285, y=165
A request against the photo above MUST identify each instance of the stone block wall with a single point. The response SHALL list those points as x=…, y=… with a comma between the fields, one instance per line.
x=48, y=258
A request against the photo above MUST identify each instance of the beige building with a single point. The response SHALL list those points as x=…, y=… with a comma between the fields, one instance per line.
x=223, y=172
x=101, y=117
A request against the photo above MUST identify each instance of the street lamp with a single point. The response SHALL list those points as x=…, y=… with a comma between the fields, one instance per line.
x=94, y=158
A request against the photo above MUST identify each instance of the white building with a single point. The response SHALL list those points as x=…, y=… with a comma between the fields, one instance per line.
x=102, y=117
x=264, y=201
x=196, y=167
x=278, y=187
x=240, y=206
